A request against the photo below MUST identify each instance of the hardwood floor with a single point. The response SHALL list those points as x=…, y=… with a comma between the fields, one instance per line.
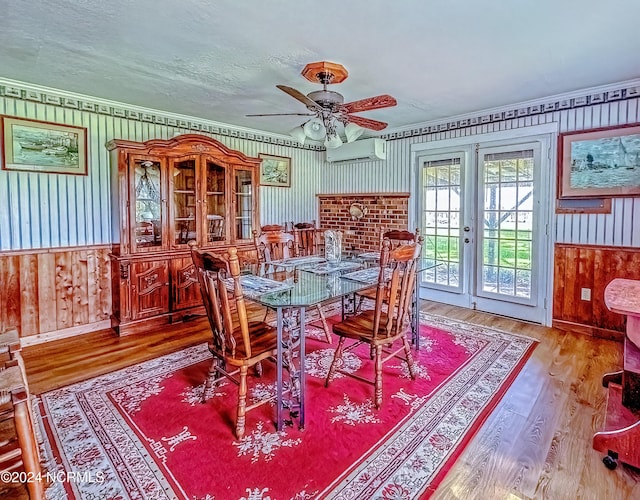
x=535, y=445
x=537, y=442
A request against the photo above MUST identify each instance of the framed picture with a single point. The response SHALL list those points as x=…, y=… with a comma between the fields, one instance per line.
x=601, y=162
x=43, y=147
x=275, y=171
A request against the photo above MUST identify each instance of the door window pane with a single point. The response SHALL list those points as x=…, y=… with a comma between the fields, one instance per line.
x=508, y=223
x=441, y=220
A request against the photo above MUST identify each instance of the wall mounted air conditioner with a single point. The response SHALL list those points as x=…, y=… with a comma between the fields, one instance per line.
x=365, y=149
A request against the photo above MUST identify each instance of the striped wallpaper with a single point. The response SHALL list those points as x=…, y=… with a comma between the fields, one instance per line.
x=49, y=210
x=620, y=228
x=39, y=210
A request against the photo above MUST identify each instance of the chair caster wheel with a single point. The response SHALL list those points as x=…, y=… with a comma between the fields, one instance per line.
x=610, y=463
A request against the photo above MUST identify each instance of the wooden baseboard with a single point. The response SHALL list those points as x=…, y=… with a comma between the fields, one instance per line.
x=40, y=338
x=142, y=326
x=593, y=331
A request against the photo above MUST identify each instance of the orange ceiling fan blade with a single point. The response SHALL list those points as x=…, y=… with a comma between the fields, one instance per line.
x=296, y=94
x=366, y=122
x=377, y=102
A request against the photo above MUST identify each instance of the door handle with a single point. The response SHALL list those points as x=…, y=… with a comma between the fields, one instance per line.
x=466, y=229
x=466, y=240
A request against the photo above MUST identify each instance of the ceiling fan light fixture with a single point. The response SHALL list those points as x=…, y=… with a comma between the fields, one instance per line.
x=353, y=131
x=333, y=142
x=314, y=129
x=298, y=134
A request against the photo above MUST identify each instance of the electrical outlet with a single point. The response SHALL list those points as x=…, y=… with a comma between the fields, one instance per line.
x=585, y=294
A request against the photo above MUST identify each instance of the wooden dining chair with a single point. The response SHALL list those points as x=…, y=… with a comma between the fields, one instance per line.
x=396, y=238
x=269, y=228
x=273, y=245
x=238, y=343
x=385, y=324
x=305, y=235
x=278, y=245
x=21, y=450
x=11, y=351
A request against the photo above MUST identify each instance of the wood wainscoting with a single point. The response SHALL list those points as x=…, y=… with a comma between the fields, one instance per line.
x=55, y=293
x=591, y=267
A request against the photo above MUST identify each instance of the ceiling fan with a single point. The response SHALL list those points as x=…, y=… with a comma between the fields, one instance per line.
x=329, y=109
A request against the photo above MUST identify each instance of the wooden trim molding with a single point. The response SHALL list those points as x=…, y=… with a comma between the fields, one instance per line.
x=32, y=251
x=602, y=333
x=369, y=195
x=65, y=333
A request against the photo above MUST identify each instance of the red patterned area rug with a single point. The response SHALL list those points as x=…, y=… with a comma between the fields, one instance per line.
x=142, y=432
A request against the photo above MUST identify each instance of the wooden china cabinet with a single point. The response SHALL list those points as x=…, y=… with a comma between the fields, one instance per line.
x=165, y=194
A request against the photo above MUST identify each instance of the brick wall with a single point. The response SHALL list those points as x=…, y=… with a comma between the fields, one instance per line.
x=384, y=210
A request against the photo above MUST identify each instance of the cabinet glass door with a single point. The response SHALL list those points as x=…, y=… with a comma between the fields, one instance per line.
x=215, y=207
x=184, y=200
x=243, y=209
x=147, y=207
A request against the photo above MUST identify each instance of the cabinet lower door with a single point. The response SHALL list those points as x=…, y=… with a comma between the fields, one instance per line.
x=149, y=288
x=184, y=284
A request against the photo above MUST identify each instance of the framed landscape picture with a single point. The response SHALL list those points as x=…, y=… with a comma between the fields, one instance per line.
x=275, y=171
x=600, y=162
x=39, y=146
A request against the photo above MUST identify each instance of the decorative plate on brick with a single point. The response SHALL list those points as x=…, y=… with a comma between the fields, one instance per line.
x=357, y=211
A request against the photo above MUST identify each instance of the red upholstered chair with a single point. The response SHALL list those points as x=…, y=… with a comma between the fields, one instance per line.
x=238, y=343
x=386, y=323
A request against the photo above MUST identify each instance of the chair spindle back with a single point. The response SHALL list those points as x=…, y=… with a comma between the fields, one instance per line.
x=395, y=285
x=216, y=275
x=306, y=238
x=273, y=245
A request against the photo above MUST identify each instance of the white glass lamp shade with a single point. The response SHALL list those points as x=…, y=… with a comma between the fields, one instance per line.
x=352, y=131
x=314, y=129
x=333, y=142
x=298, y=134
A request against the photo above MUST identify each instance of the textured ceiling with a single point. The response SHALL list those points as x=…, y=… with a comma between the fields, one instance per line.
x=221, y=60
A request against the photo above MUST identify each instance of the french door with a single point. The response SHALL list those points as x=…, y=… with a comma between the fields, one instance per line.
x=484, y=228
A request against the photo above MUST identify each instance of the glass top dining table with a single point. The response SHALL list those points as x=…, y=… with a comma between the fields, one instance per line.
x=297, y=285
x=302, y=282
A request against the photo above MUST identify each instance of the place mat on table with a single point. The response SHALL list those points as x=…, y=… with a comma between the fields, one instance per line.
x=254, y=286
x=297, y=261
x=369, y=255
x=326, y=268
x=368, y=275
